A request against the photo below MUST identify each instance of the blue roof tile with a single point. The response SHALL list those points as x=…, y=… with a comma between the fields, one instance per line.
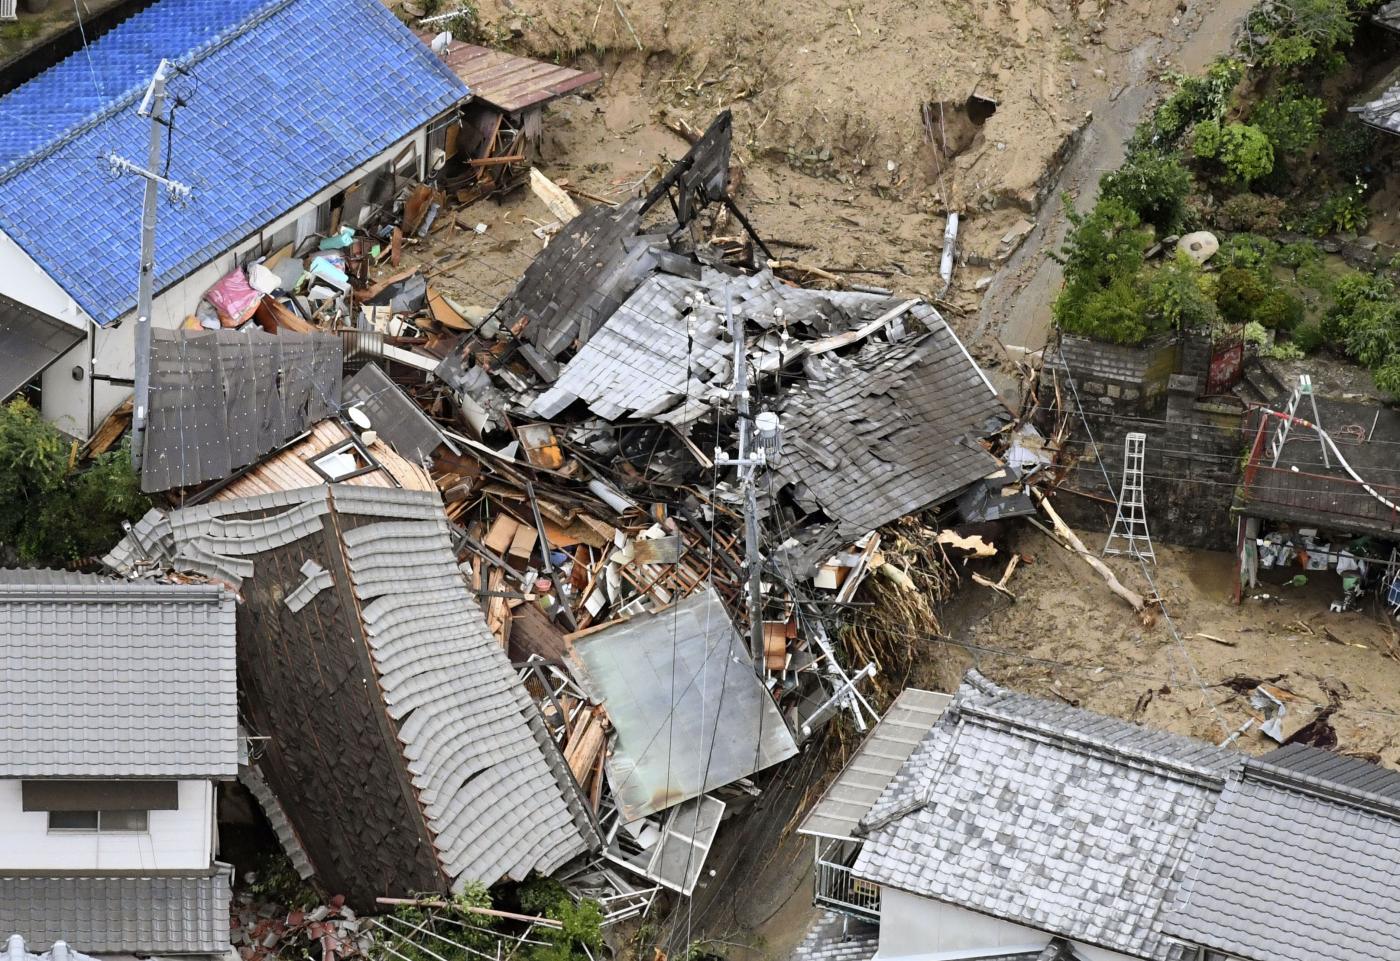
x=284, y=98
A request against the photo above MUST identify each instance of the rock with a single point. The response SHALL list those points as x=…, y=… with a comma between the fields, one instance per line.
x=1199, y=246
x=1367, y=243
x=982, y=284
x=414, y=9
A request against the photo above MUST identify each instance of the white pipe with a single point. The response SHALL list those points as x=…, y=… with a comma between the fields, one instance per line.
x=1328, y=441
x=950, y=241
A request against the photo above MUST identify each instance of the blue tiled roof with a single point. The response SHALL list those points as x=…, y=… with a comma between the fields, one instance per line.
x=284, y=98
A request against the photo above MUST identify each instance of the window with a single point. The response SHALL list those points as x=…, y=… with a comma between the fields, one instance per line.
x=102, y=822
x=345, y=460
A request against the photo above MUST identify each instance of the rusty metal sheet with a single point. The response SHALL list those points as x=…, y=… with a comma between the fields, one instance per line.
x=510, y=83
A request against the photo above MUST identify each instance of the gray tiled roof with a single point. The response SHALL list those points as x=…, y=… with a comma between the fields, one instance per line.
x=178, y=913
x=885, y=432
x=220, y=399
x=1293, y=868
x=835, y=937
x=879, y=758
x=679, y=685
x=661, y=356
x=499, y=800
x=1382, y=107
x=1388, y=15
x=252, y=779
x=1338, y=770
x=115, y=679
x=1047, y=816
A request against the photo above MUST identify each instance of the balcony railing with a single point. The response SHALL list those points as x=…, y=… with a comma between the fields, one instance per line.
x=838, y=889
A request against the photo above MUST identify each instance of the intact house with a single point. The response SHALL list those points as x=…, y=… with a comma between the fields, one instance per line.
x=289, y=117
x=355, y=623
x=118, y=721
x=1018, y=828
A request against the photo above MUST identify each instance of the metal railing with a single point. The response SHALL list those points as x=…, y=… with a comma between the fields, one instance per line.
x=838, y=889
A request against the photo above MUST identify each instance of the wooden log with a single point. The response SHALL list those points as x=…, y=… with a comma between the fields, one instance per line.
x=1072, y=541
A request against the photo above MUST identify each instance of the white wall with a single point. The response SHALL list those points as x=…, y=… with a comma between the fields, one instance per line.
x=179, y=839
x=914, y=926
x=65, y=399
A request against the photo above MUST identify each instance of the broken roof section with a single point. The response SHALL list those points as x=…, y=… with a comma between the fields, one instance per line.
x=888, y=431
x=507, y=82
x=1381, y=109
x=443, y=774
x=221, y=399
x=393, y=415
x=1388, y=15
x=689, y=712
x=104, y=678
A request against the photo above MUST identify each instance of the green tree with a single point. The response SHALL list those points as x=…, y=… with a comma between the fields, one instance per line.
x=1299, y=32
x=582, y=922
x=1154, y=186
x=1243, y=150
x=53, y=511
x=1253, y=296
x=1102, y=259
x=1291, y=121
x=1179, y=296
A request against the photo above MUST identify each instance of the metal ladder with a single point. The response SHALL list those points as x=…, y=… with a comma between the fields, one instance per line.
x=1130, y=522
x=1304, y=389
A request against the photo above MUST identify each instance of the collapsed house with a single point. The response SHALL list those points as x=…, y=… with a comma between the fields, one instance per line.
x=356, y=623
x=1018, y=828
x=272, y=155
x=118, y=726
x=643, y=491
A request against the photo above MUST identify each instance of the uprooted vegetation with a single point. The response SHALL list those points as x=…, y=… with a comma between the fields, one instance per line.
x=1265, y=154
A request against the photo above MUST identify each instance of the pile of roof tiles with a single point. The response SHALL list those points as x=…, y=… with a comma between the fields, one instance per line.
x=261, y=932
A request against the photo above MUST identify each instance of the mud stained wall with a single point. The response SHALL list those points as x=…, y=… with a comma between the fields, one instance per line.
x=306, y=683
x=1123, y=379
x=1190, y=472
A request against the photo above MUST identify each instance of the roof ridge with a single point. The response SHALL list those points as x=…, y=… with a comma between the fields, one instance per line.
x=1290, y=779
x=121, y=101
x=987, y=711
x=123, y=590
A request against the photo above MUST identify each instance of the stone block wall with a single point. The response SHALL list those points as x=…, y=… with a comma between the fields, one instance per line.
x=1130, y=380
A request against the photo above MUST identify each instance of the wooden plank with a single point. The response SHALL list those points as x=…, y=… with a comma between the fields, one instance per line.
x=502, y=532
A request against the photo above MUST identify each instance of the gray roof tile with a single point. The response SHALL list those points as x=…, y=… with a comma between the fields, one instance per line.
x=835, y=937
x=1294, y=868
x=152, y=914
x=106, y=678
x=1047, y=816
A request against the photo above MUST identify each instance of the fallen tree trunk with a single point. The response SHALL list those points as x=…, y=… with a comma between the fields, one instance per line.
x=1073, y=542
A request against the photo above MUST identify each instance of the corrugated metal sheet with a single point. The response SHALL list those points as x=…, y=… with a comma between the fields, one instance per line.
x=179, y=913
x=393, y=415
x=689, y=713
x=32, y=340
x=116, y=679
x=866, y=775
x=220, y=399
x=510, y=83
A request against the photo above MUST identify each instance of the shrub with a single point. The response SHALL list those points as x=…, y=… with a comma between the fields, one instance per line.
x=1154, y=186
x=1195, y=99
x=1291, y=122
x=1364, y=319
x=1240, y=148
x=1352, y=146
x=1102, y=258
x=1388, y=377
x=1308, y=337
x=1286, y=350
x=1251, y=212
x=1298, y=32
x=51, y=511
x=1178, y=296
x=1344, y=210
x=1251, y=296
x=1247, y=250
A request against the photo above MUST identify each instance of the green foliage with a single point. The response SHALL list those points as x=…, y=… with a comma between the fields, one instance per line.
x=1296, y=256
x=1179, y=296
x=1102, y=258
x=1388, y=377
x=1254, y=333
x=1154, y=186
x=1247, y=296
x=1247, y=250
x=1195, y=99
x=1352, y=145
x=1257, y=213
x=1364, y=321
x=473, y=932
x=1290, y=120
x=582, y=930
x=276, y=881
x=51, y=512
x=1299, y=32
x=1308, y=337
x=1241, y=149
x=1286, y=350
x=1344, y=210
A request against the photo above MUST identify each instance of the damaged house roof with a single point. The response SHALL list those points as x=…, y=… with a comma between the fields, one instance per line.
x=1381, y=108
x=1388, y=15
x=220, y=399
x=261, y=130
x=1046, y=815
x=508, y=82
x=357, y=624
x=679, y=686
x=105, y=678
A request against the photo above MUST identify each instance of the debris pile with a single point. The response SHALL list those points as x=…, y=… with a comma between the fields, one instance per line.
x=664, y=470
